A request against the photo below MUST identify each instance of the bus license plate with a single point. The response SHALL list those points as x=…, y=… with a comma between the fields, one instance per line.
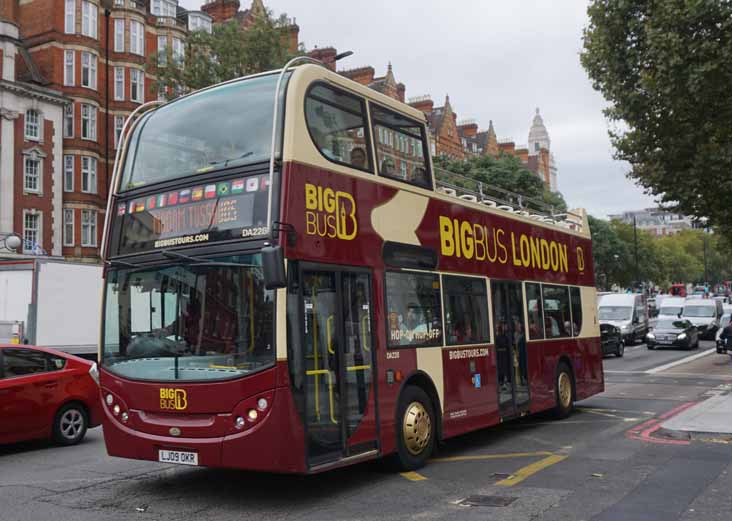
x=178, y=457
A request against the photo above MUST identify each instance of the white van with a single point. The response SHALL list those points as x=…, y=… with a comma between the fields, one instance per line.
x=704, y=314
x=671, y=307
x=626, y=311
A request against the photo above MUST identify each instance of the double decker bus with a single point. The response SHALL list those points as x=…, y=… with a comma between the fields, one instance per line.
x=288, y=288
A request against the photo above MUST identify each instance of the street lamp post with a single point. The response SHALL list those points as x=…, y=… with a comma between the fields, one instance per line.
x=107, y=5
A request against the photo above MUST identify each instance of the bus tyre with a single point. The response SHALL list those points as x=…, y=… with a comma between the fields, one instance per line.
x=70, y=424
x=564, y=391
x=416, y=428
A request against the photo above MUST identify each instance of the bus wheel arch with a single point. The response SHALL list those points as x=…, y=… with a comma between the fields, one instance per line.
x=418, y=408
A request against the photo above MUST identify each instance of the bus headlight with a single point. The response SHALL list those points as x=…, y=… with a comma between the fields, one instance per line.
x=252, y=415
x=239, y=422
x=262, y=404
x=109, y=399
x=125, y=417
x=116, y=410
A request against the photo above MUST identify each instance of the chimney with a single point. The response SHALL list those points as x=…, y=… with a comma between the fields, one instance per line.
x=423, y=103
x=221, y=10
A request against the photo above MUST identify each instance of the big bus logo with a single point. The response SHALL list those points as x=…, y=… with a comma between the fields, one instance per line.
x=580, y=259
x=174, y=399
x=330, y=213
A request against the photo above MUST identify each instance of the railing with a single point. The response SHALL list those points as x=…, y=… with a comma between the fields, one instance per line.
x=135, y=5
x=169, y=21
x=472, y=190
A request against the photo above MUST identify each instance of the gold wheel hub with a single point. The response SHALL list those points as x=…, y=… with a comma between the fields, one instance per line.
x=565, y=390
x=416, y=428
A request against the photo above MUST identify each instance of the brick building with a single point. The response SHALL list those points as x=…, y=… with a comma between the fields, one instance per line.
x=55, y=65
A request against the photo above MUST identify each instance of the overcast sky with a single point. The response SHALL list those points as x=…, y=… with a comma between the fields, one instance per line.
x=497, y=61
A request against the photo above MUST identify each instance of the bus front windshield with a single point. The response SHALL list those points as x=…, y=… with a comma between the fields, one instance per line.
x=197, y=321
x=224, y=126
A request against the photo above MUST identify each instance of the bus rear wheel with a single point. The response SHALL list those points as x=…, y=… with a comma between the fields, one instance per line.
x=564, y=391
x=416, y=428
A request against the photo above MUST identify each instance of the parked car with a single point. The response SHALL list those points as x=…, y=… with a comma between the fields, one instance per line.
x=704, y=314
x=626, y=311
x=612, y=340
x=673, y=332
x=723, y=347
x=45, y=393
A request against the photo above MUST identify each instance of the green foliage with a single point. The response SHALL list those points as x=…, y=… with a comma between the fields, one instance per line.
x=661, y=260
x=664, y=67
x=228, y=52
x=505, y=172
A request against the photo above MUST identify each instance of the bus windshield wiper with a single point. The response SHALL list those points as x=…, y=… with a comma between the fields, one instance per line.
x=226, y=161
x=121, y=264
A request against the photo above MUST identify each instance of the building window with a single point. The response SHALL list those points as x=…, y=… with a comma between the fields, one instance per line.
x=68, y=227
x=119, y=83
x=88, y=19
x=89, y=228
x=88, y=122
x=89, y=175
x=89, y=70
x=336, y=121
x=119, y=123
x=137, y=38
x=69, y=120
x=162, y=50
x=31, y=231
x=414, y=310
x=70, y=17
x=32, y=125
x=163, y=8
x=32, y=174
x=119, y=3
x=119, y=35
x=69, y=68
x=137, y=85
x=68, y=173
x=179, y=52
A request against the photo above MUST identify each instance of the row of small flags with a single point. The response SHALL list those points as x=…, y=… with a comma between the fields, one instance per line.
x=199, y=193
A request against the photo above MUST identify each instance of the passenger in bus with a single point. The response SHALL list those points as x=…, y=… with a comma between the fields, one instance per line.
x=413, y=328
x=419, y=176
x=358, y=157
x=551, y=327
x=519, y=342
x=387, y=167
x=503, y=345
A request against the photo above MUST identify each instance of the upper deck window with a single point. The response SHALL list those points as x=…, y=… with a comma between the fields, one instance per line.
x=401, y=150
x=216, y=128
x=337, y=124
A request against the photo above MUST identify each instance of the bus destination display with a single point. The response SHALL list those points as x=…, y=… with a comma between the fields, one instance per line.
x=199, y=214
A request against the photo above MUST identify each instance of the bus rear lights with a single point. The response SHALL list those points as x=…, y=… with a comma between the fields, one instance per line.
x=262, y=404
x=239, y=422
x=252, y=415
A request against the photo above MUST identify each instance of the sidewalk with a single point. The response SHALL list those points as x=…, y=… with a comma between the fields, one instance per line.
x=712, y=417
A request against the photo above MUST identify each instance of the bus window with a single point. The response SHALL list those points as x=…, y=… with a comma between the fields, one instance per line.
x=466, y=310
x=337, y=126
x=556, y=311
x=535, y=311
x=414, y=310
x=576, y=299
x=400, y=152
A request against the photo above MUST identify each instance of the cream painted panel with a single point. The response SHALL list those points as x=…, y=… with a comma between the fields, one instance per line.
x=590, y=323
x=281, y=324
x=398, y=219
x=429, y=360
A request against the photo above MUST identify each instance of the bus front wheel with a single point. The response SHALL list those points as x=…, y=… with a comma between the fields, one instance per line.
x=416, y=428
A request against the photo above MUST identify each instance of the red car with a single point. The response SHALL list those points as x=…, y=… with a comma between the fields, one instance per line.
x=45, y=393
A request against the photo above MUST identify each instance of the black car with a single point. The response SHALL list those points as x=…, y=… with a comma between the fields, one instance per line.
x=612, y=340
x=673, y=333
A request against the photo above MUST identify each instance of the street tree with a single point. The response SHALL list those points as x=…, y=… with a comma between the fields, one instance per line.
x=664, y=68
x=229, y=51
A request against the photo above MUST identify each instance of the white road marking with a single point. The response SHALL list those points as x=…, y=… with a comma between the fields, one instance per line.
x=681, y=361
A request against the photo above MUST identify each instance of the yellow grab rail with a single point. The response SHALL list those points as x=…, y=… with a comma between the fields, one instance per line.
x=330, y=393
x=329, y=334
x=365, y=336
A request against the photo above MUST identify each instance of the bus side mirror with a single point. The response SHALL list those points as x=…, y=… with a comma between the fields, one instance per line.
x=273, y=266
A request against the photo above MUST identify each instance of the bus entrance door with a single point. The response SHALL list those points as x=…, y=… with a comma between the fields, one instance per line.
x=510, y=340
x=338, y=363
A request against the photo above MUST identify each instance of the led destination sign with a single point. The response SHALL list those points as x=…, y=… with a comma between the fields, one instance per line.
x=199, y=214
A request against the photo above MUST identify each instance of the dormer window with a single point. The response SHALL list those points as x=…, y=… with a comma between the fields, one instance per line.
x=164, y=8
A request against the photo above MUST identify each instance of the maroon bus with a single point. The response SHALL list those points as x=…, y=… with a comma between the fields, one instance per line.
x=293, y=290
